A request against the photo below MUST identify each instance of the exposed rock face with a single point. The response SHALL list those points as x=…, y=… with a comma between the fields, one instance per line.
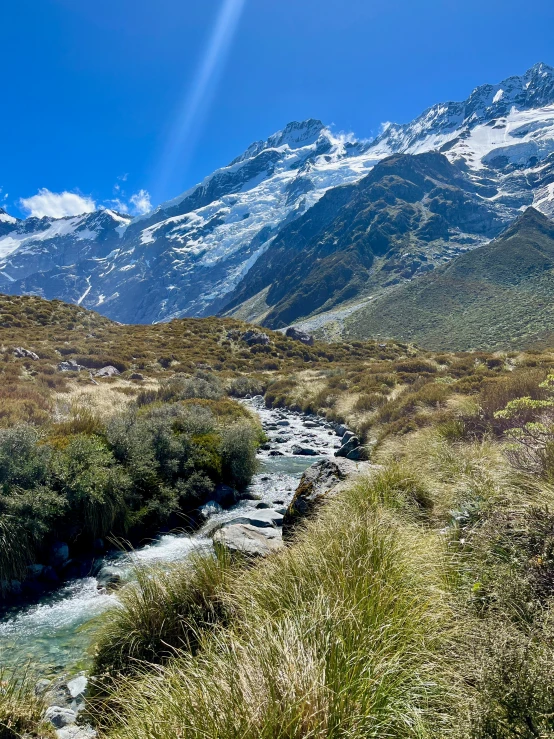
x=70, y=366
x=316, y=484
x=248, y=540
x=22, y=353
x=108, y=371
x=352, y=443
x=255, y=337
x=297, y=335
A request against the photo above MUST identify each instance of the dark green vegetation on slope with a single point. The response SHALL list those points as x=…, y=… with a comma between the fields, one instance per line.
x=388, y=227
x=499, y=296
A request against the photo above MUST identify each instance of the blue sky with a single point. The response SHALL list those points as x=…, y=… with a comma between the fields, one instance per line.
x=130, y=102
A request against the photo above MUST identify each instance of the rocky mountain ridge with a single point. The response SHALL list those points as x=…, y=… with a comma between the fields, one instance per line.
x=205, y=251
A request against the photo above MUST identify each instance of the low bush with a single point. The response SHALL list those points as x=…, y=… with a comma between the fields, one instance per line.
x=242, y=386
x=149, y=467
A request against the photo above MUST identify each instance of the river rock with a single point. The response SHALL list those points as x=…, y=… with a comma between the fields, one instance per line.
x=303, y=451
x=209, y=509
x=251, y=541
x=347, y=436
x=315, y=485
x=351, y=444
x=60, y=717
x=225, y=495
x=77, y=686
x=108, y=581
x=356, y=454
x=260, y=518
x=59, y=554
x=297, y=335
x=23, y=353
x=276, y=453
x=76, y=732
x=340, y=430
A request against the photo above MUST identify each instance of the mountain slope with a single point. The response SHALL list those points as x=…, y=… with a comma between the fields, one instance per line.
x=409, y=214
x=192, y=256
x=495, y=297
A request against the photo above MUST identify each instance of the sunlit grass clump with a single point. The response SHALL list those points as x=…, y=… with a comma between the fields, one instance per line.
x=343, y=634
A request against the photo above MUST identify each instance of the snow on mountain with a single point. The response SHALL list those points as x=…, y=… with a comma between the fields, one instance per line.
x=187, y=255
x=39, y=244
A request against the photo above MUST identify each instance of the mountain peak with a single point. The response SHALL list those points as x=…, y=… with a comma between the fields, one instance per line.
x=6, y=217
x=533, y=89
x=295, y=134
x=540, y=69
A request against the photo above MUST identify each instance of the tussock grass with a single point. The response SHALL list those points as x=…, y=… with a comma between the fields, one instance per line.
x=21, y=710
x=343, y=634
x=165, y=608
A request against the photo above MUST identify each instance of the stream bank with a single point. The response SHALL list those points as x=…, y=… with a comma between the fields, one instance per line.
x=54, y=634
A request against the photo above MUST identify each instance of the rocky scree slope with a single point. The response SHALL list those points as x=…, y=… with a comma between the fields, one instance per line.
x=192, y=256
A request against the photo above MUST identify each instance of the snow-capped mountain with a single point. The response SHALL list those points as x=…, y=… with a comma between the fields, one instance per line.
x=191, y=254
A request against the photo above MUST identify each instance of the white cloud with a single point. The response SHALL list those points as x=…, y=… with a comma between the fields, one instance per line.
x=116, y=204
x=57, y=204
x=141, y=202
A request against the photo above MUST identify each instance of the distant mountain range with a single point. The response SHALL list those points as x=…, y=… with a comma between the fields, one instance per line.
x=308, y=226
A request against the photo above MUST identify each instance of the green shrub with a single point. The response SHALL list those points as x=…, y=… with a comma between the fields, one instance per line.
x=415, y=366
x=238, y=452
x=242, y=386
x=95, y=489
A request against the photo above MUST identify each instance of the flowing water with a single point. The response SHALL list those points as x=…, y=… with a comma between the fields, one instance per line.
x=53, y=634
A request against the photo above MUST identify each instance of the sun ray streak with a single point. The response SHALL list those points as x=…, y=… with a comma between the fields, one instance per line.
x=196, y=103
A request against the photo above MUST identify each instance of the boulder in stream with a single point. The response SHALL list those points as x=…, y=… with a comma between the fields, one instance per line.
x=261, y=518
x=352, y=444
x=59, y=716
x=319, y=480
x=304, y=451
x=248, y=540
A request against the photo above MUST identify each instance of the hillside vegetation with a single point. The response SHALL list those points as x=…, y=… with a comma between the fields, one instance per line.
x=499, y=296
x=416, y=605
x=407, y=215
